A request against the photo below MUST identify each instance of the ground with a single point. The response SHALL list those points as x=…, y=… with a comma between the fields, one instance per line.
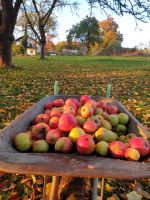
x=32, y=79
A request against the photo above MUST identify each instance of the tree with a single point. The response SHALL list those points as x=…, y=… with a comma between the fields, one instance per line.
x=140, y=9
x=8, y=15
x=109, y=32
x=40, y=19
x=86, y=31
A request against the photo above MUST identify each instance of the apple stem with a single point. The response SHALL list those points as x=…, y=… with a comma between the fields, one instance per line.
x=44, y=188
x=54, y=188
x=102, y=189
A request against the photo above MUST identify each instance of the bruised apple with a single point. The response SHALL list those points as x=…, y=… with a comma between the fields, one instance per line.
x=85, y=144
x=53, y=135
x=63, y=145
x=117, y=149
x=39, y=131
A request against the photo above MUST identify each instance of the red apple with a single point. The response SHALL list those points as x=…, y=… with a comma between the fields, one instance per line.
x=53, y=122
x=85, y=144
x=41, y=118
x=84, y=98
x=86, y=111
x=66, y=122
x=69, y=109
x=48, y=106
x=39, y=131
x=72, y=100
x=63, y=145
x=112, y=109
x=140, y=144
x=58, y=102
x=47, y=112
x=117, y=149
x=53, y=135
x=70, y=104
x=92, y=103
x=89, y=126
x=101, y=104
x=56, y=112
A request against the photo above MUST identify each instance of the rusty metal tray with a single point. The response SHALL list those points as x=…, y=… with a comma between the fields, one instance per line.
x=56, y=164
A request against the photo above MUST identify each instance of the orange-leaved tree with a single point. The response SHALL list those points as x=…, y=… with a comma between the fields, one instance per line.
x=109, y=32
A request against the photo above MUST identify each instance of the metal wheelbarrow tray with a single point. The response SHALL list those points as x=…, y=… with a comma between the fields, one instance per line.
x=57, y=164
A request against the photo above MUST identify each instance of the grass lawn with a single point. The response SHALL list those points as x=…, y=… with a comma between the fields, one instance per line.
x=32, y=79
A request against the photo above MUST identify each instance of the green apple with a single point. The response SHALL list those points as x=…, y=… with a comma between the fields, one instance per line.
x=22, y=141
x=123, y=118
x=40, y=146
x=102, y=148
x=121, y=129
x=106, y=124
x=113, y=119
x=102, y=134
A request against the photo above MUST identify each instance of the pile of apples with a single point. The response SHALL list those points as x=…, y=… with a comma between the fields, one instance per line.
x=84, y=126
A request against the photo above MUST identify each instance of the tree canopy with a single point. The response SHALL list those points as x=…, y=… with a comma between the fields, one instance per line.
x=86, y=31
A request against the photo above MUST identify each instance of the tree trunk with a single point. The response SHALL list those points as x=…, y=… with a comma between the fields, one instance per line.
x=5, y=51
x=42, y=56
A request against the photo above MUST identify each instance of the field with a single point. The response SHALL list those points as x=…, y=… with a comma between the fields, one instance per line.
x=32, y=79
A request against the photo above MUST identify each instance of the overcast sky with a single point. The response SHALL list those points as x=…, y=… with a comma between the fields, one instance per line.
x=133, y=36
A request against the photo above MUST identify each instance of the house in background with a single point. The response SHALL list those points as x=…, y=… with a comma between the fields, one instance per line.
x=33, y=46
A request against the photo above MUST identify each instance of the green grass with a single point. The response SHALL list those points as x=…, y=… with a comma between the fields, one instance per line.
x=32, y=79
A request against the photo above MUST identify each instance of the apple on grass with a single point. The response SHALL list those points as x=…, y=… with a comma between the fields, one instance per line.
x=63, y=145
x=85, y=144
x=117, y=149
x=140, y=144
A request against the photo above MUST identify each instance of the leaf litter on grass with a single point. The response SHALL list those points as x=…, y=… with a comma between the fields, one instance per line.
x=33, y=79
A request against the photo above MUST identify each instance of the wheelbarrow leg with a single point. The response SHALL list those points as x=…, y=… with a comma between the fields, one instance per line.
x=44, y=188
x=102, y=189
x=54, y=188
x=94, y=188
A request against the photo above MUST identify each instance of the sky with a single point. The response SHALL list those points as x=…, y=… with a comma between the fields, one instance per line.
x=133, y=35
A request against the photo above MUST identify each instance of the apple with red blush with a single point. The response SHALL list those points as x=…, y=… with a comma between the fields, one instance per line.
x=67, y=122
x=117, y=149
x=140, y=144
x=85, y=144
